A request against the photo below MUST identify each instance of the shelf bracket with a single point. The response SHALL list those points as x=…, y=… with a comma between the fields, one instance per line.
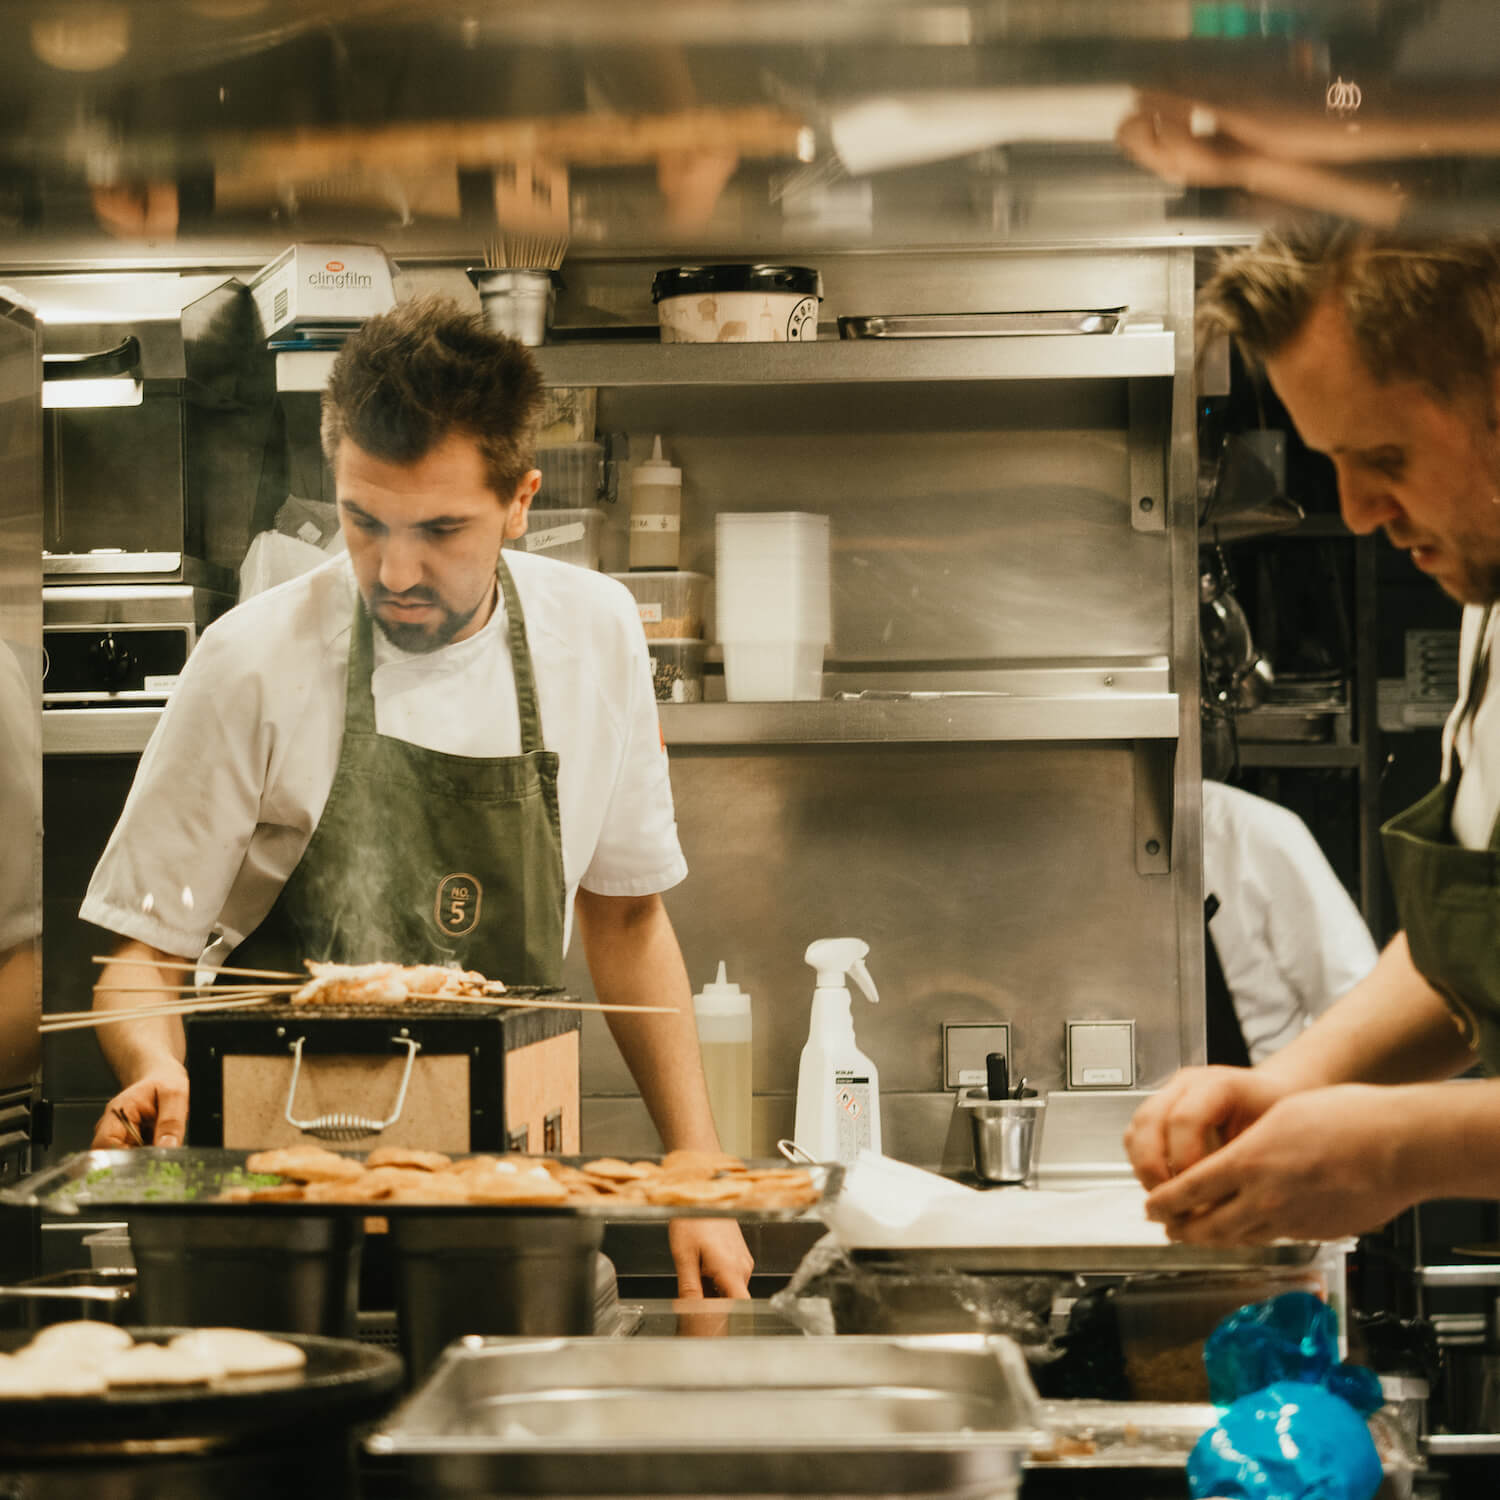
x=1152, y=760
x=1148, y=458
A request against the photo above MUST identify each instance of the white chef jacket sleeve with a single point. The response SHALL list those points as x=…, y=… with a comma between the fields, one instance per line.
x=1316, y=933
x=637, y=853
x=187, y=823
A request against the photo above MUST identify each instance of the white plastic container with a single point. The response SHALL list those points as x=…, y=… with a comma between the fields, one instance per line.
x=572, y=536
x=838, y=1088
x=737, y=304
x=773, y=671
x=655, y=512
x=722, y=1010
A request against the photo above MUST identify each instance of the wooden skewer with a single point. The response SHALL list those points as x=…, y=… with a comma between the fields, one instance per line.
x=82, y=1019
x=182, y=963
x=207, y=991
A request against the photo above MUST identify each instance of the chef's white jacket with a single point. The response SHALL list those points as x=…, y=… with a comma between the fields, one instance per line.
x=1477, y=743
x=1289, y=938
x=233, y=781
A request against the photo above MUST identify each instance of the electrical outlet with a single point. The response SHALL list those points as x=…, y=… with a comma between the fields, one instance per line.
x=1101, y=1054
x=966, y=1044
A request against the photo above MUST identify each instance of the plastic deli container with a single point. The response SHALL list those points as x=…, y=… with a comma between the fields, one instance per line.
x=1164, y=1321
x=569, y=415
x=671, y=603
x=677, y=670
x=572, y=475
x=571, y=536
x=737, y=304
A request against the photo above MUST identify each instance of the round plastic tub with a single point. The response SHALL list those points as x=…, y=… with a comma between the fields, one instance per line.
x=737, y=304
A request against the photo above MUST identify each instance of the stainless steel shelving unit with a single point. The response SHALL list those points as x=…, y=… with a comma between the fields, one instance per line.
x=1149, y=352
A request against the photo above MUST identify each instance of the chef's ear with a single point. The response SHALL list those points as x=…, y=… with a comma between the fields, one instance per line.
x=515, y=521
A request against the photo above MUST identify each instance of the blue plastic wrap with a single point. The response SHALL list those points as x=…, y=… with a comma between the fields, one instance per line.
x=1295, y=1426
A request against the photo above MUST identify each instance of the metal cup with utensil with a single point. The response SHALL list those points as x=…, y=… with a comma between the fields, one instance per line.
x=1004, y=1124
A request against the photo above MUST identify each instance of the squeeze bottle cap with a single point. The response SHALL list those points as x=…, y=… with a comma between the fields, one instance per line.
x=656, y=470
x=834, y=958
x=720, y=996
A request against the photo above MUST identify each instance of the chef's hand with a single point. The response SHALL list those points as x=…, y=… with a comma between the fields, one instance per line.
x=157, y=1103
x=1317, y=1165
x=710, y=1250
x=1197, y=1111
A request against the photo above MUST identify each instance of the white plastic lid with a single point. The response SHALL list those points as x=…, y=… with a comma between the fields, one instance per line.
x=720, y=997
x=656, y=470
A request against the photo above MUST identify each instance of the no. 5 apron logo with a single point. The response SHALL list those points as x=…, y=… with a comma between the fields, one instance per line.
x=457, y=909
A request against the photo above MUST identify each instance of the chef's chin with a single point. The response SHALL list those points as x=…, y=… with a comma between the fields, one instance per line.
x=420, y=636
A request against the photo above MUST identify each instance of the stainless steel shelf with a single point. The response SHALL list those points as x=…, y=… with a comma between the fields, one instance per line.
x=1026, y=357
x=1461, y=1276
x=97, y=731
x=1462, y=1444
x=1083, y=716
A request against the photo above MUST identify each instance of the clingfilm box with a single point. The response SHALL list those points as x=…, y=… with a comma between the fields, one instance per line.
x=323, y=285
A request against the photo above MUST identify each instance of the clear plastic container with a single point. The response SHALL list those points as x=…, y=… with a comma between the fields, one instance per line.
x=572, y=536
x=677, y=670
x=572, y=476
x=671, y=603
x=1164, y=1321
x=569, y=415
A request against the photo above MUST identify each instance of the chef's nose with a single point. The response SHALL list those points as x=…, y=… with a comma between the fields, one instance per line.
x=400, y=564
x=1365, y=500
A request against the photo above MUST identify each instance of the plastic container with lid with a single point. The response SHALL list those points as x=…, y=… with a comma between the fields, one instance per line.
x=677, y=670
x=655, y=512
x=1164, y=1321
x=671, y=603
x=722, y=1011
x=737, y=304
x=572, y=536
x=572, y=476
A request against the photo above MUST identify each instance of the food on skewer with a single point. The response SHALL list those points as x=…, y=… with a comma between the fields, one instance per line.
x=394, y=1174
x=390, y=984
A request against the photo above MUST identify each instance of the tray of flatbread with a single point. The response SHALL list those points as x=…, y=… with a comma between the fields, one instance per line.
x=102, y=1385
x=393, y=1180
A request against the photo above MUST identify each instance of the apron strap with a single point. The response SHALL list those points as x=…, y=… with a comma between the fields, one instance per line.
x=1478, y=675
x=359, y=696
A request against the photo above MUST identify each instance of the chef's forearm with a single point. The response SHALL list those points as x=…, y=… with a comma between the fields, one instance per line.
x=634, y=959
x=135, y=1048
x=1392, y=1027
x=1447, y=1139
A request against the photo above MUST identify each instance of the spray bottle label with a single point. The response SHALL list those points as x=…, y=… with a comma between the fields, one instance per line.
x=851, y=1092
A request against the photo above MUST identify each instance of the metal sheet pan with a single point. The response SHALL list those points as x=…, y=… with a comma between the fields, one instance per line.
x=1084, y=1259
x=1095, y=320
x=847, y=1416
x=187, y=1180
x=343, y=1381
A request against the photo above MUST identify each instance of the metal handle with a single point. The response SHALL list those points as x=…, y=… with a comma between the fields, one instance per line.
x=68, y=1293
x=795, y=1154
x=341, y=1125
x=120, y=360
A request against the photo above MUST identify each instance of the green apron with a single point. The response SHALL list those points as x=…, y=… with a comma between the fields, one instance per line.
x=424, y=857
x=1448, y=898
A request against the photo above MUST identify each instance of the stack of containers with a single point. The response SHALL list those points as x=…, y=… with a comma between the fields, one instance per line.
x=774, y=613
x=565, y=522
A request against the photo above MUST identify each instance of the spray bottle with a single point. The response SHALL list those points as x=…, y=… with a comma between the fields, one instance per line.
x=838, y=1090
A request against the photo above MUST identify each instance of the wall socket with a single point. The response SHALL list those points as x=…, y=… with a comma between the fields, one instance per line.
x=966, y=1044
x=1101, y=1054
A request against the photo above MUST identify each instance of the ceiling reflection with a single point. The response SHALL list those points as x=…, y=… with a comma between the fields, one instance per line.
x=743, y=124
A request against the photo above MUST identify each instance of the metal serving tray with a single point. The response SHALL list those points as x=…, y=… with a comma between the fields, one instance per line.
x=949, y=1415
x=1085, y=1259
x=187, y=1180
x=983, y=325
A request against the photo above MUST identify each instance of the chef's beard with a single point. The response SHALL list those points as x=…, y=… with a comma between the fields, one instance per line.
x=419, y=638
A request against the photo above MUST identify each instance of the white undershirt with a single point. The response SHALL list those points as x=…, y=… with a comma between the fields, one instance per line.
x=235, y=777
x=1478, y=742
x=1289, y=937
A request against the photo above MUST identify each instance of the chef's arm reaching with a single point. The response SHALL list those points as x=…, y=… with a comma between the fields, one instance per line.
x=634, y=959
x=146, y=1055
x=1303, y=1145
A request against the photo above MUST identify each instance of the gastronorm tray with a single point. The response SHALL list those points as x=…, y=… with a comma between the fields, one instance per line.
x=603, y=1417
x=342, y=1378
x=1085, y=1259
x=983, y=325
x=187, y=1179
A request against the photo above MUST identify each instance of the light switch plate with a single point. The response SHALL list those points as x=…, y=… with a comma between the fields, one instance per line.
x=966, y=1044
x=1101, y=1054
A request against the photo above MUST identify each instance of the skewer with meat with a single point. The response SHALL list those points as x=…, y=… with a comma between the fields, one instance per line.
x=390, y=984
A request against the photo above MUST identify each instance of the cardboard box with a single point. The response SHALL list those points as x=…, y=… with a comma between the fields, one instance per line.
x=330, y=287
